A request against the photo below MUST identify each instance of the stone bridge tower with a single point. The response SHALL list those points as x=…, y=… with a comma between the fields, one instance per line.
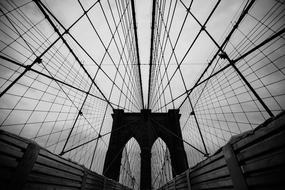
x=145, y=127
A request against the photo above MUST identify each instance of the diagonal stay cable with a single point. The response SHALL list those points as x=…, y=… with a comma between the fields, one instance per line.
x=194, y=41
x=38, y=59
x=163, y=45
x=232, y=63
x=240, y=19
x=179, y=138
x=237, y=23
x=127, y=35
x=105, y=47
x=151, y=50
x=57, y=80
x=117, y=70
x=116, y=44
x=43, y=8
x=137, y=49
x=98, y=137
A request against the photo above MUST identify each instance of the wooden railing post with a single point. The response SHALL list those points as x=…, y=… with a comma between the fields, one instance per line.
x=188, y=179
x=104, y=184
x=84, y=178
x=237, y=177
x=166, y=187
x=24, y=167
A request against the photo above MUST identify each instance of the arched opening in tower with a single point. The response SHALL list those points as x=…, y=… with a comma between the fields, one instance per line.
x=130, y=165
x=161, y=169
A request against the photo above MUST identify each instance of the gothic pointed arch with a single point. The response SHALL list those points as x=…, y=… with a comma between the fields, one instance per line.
x=130, y=164
x=160, y=164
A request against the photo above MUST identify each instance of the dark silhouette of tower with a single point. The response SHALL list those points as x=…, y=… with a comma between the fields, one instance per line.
x=145, y=127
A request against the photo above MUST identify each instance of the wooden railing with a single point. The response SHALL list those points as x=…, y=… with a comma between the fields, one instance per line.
x=252, y=160
x=25, y=165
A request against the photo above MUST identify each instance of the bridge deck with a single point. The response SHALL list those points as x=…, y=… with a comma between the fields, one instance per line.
x=252, y=160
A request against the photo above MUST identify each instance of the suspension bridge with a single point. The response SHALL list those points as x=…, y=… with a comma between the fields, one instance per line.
x=128, y=94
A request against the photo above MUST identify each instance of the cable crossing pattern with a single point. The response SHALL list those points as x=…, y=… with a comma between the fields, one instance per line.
x=65, y=65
